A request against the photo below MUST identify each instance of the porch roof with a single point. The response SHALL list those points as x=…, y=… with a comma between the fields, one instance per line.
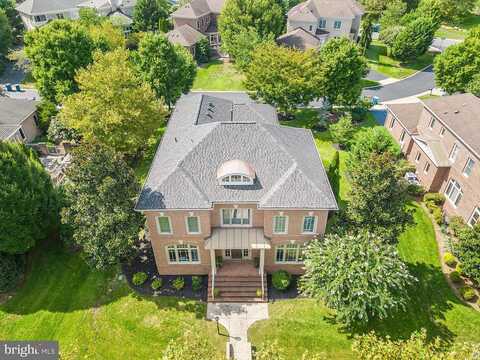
x=237, y=238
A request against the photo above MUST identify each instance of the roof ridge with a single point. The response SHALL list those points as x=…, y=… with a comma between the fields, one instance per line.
x=277, y=185
x=189, y=178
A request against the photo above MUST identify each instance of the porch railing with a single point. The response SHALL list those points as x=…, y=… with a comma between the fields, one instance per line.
x=213, y=285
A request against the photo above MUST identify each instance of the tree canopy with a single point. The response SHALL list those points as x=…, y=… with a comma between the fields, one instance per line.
x=266, y=17
x=458, y=65
x=27, y=199
x=360, y=276
x=242, y=44
x=169, y=69
x=113, y=105
x=151, y=15
x=281, y=76
x=99, y=195
x=5, y=34
x=13, y=16
x=57, y=50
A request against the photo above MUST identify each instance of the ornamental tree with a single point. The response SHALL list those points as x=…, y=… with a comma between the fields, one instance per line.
x=366, y=37
x=468, y=251
x=57, y=50
x=113, y=105
x=99, y=196
x=343, y=130
x=28, y=207
x=341, y=67
x=457, y=66
x=242, y=45
x=373, y=140
x=151, y=15
x=281, y=76
x=360, y=276
x=169, y=69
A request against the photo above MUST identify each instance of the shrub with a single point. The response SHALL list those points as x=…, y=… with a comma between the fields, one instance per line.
x=202, y=51
x=281, y=280
x=455, y=277
x=436, y=198
x=449, y=259
x=11, y=270
x=58, y=132
x=139, y=278
x=216, y=292
x=459, y=269
x=467, y=293
x=431, y=206
x=178, y=283
x=415, y=190
x=156, y=284
x=438, y=215
x=456, y=224
x=196, y=283
x=259, y=293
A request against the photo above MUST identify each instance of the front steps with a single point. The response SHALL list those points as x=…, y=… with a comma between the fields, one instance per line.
x=239, y=289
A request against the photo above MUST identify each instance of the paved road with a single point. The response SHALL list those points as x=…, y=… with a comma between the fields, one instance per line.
x=421, y=82
x=375, y=76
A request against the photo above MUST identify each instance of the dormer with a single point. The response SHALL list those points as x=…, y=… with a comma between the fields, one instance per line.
x=235, y=172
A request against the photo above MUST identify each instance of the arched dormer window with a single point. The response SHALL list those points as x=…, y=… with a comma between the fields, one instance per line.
x=235, y=172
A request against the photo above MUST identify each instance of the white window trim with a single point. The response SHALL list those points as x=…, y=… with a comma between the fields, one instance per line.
x=460, y=192
x=322, y=22
x=418, y=157
x=199, y=226
x=286, y=225
x=235, y=183
x=158, y=225
x=475, y=211
x=284, y=246
x=236, y=225
x=442, y=131
x=335, y=23
x=426, y=167
x=431, y=124
x=392, y=123
x=189, y=255
x=466, y=164
x=402, y=137
x=454, y=152
x=314, y=225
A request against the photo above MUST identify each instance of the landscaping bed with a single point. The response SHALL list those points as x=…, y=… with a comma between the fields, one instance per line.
x=290, y=293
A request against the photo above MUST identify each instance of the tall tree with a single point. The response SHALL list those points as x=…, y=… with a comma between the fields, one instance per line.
x=99, y=215
x=375, y=140
x=151, y=15
x=113, y=105
x=360, y=276
x=5, y=34
x=267, y=17
x=393, y=12
x=457, y=66
x=57, y=50
x=27, y=199
x=366, y=37
x=169, y=69
x=341, y=68
x=13, y=16
x=281, y=76
x=242, y=45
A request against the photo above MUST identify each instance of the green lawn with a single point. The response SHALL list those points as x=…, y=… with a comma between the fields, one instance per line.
x=306, y=324
x=93, y=314
x=369, y=83
x=460, y=30
x=379, y=61
x=218, y=76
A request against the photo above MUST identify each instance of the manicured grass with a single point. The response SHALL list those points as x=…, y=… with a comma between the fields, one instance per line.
x=379, y=61
x=369, y=83
x=426, y=97
x=218, y=76
x=306, y=324
x=458, y=31
x=95, y=315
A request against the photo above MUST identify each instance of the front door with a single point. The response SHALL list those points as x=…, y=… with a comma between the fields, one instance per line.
x=236, y=254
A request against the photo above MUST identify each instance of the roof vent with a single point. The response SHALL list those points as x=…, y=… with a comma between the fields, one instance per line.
x=235, y=172
x=456, y=112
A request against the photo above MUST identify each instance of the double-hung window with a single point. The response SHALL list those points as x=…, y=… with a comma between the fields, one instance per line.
x=392, y=123
x=467, y=170
x=402, y=137
x=337, y=24
x=442, y=131
x=309, y=224
x=236, y=217
x=426, y=168
x=40, y=18
x=181, y=254
x=164, y=225
x=454, y=192
x=289, y=253
x=322, y=23
x=280, y=224
x=475, y=218
x=418, y=156
x=193, y=224
x=454, y=152
x=432, y=123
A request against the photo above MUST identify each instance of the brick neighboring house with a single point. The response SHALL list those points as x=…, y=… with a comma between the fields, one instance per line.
x=198, y=17
x=323, y=20
x=441, y=137
x=18, y=120
x=229, y=181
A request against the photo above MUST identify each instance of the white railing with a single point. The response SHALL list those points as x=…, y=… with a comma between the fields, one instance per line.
x=213, y=285
x=263, y=286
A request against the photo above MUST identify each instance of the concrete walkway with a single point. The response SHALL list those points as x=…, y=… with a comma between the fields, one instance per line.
x=237, y=318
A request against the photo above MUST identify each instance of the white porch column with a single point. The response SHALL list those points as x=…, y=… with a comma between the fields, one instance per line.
x=262, y=261
x=213, y=261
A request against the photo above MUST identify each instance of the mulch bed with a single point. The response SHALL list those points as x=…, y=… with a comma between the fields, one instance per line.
x=145, y=262
x=290, y=293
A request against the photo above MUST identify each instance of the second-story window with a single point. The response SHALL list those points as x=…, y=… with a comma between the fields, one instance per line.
x=442, y=131
x=40, y=18
x=418, y=156
x=164, y=225
x=402, y=137
x=467, y=170
x=309, y=224
x=432, y=123
x=475, y=218
x=426, y=167
x=193, y=225
x=236, y=217
x=322, y=24
x=280, y=224
x=454, y=192
x=454, y=152
x=392, y=123
x=337, y=24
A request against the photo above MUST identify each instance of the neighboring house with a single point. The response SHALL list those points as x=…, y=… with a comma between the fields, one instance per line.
x=441, y=137
x=300, y=39
x=324, y=19
x=35, y=13
x=197, y=16
x=230, y=185
x=18, y=120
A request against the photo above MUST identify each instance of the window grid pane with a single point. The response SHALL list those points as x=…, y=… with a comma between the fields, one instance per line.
x=280, y=254
x=279, y=224
x=164, y=224
x=192, y=222
x=309, y=224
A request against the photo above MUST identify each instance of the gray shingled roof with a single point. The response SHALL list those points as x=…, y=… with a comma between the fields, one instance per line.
x=461, y=113
x=184, y=35
x=299, y=39
x=340, y=9
x=407, y=114
x=13, y=112
x=7, y=130
x=197, y=8
x=289, y=170
x=40, y=7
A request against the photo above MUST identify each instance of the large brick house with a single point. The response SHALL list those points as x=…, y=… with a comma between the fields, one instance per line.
x=230, y=184
x=441, y=137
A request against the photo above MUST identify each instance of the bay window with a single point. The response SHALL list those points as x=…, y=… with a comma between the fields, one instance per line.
x=180, y=254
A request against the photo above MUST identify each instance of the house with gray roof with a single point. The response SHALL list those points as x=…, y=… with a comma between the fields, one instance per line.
x=18, y=120
x=324, y=19
x=230, y=185
x=441, y=137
